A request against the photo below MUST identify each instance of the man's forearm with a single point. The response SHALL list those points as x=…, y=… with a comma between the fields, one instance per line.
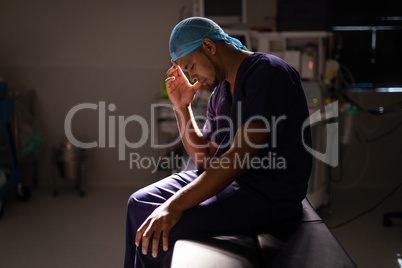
x=191, y=136
x=223, y=170
x=213, y=180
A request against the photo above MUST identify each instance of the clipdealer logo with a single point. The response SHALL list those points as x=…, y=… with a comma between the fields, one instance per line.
x=123, y=143
x=330, y=157
x=148, y=130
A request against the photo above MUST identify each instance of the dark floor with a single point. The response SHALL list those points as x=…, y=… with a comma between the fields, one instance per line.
x=71, y=231
x=366, y=240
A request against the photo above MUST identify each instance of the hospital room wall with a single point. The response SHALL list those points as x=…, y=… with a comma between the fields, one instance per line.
x=90, y=51
x=75, y=52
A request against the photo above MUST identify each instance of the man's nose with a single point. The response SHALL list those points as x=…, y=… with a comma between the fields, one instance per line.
x=193, y=77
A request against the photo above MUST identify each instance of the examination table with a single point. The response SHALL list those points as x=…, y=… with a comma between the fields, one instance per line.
x=306, y=242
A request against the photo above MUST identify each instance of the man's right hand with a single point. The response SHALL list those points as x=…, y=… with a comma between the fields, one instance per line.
x=181, y=93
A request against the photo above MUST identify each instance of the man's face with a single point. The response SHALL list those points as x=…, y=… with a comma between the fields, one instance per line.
x=200, y=67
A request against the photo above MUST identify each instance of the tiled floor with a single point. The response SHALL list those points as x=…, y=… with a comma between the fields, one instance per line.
x=70, y=231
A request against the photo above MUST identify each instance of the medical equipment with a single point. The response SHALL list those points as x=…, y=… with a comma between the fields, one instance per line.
x=11, y=178
x=223, y=12
x=69, y=161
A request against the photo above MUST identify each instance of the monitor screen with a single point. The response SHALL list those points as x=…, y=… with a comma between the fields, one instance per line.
x=223, y=12
x=242, y=35
x=371, y=57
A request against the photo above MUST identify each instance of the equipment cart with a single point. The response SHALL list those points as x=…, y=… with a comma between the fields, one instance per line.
x=10, y=171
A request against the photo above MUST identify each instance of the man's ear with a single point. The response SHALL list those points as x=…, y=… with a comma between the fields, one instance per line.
x=209, y=45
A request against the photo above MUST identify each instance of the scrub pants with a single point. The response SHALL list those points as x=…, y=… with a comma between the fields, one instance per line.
x=232, y=210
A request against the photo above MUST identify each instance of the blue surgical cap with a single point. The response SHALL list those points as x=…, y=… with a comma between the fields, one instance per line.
x=187, y=35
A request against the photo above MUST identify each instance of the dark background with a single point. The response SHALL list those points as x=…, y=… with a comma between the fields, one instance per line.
x=371, y=65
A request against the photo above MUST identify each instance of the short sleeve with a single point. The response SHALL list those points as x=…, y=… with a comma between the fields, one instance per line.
x=267, y=95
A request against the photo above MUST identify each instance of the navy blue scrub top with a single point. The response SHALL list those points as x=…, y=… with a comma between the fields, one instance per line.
x=269, y=90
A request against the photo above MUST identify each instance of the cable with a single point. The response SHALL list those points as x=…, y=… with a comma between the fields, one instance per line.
x=347, y=78
x=376, y=111
x=383, y=135
x=367, y=211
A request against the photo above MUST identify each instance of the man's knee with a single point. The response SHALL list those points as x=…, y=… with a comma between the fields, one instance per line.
x=139, y=207
x=137, y=201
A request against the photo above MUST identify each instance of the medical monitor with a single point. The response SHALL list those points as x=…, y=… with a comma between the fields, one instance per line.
x=242, y=35
x=223, y=12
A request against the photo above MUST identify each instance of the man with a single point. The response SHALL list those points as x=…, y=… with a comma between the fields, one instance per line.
x=252, y=166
